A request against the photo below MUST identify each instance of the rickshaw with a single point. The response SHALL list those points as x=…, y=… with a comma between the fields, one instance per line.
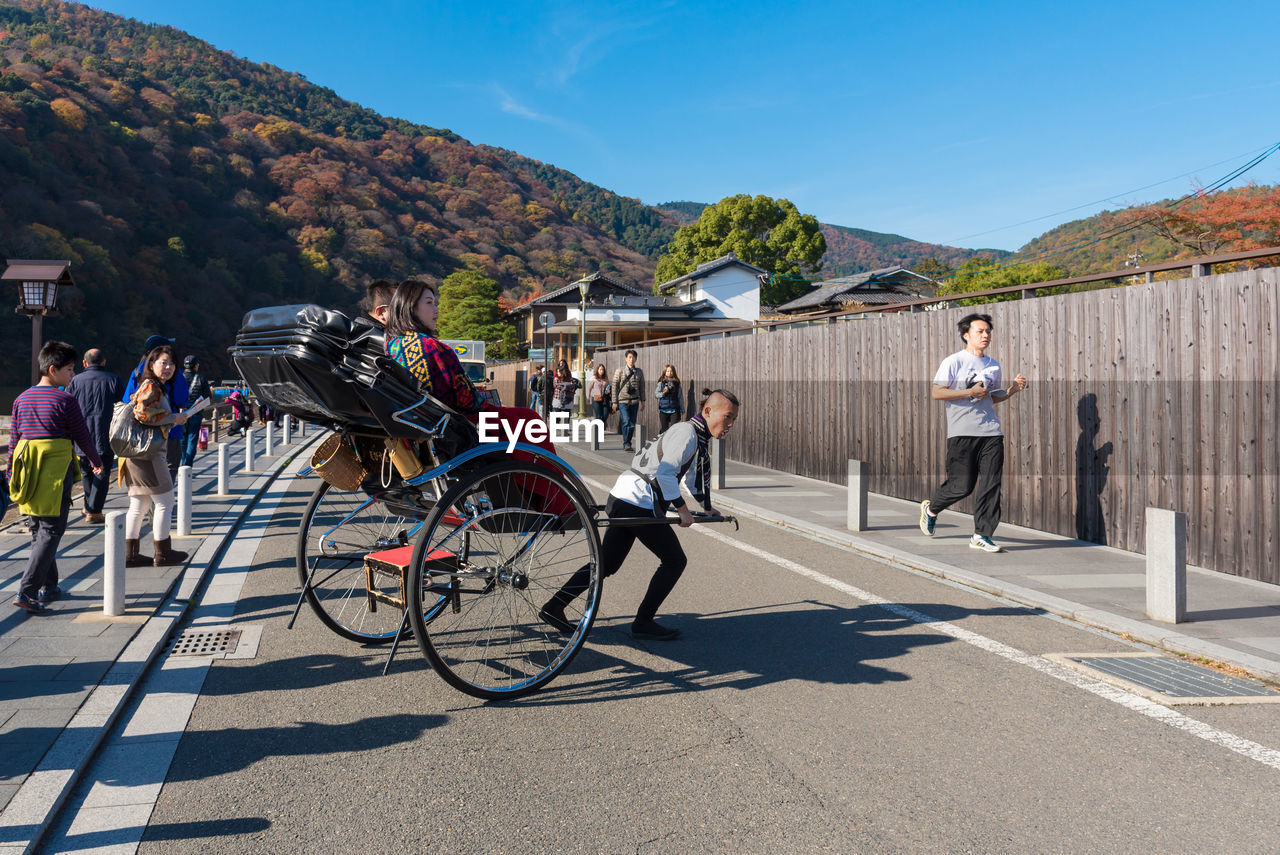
x=417, y=527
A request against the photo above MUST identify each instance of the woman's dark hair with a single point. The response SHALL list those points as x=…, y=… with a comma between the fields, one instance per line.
x=562, y=369
x=728, y=396
x=147, y=374
x=56, y=354
x=674, y=375
x=969, y=319
x=400, y=316
x=601, y=371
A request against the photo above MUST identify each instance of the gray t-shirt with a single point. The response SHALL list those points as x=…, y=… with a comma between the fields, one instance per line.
x=967, y=417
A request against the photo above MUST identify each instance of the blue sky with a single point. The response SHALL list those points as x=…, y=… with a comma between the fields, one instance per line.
x=944, y=122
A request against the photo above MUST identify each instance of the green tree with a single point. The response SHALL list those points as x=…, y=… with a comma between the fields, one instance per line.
x=931, y=267
x=769, y=233
x=983, y=274
x=469, y=310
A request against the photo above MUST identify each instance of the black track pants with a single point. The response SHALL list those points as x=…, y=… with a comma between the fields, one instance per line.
x=973, y=460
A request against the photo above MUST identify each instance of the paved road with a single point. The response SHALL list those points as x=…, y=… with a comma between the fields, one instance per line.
x=818, y=702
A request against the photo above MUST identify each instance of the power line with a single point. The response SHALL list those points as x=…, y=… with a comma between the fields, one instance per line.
x=1116, y=231
x=1110, y=198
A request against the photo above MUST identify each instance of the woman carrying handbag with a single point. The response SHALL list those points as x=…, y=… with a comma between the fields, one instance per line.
x=601, y=392
x=148, y=479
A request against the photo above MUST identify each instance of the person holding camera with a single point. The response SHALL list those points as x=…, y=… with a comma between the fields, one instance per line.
x=628, y=397
x=670, y=403
x=969, y=384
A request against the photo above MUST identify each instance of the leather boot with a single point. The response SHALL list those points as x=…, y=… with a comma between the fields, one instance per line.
x=133, y=556
x=166, y=556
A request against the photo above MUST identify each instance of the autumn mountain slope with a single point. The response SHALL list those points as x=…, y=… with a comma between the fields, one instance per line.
x=187, y=186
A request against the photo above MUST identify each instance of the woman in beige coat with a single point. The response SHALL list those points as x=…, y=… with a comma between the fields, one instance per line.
x=148, y=480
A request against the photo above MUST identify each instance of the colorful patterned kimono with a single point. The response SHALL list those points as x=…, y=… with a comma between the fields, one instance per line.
x=437, y=368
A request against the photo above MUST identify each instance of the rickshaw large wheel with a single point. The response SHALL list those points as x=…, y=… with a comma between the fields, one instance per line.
x=338, y=529
x=496, y=548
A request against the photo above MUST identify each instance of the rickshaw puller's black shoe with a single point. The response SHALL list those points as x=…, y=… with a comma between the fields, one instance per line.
x=649, y=630
x=555, y=618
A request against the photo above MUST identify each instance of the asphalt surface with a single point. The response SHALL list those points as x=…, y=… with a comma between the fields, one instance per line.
x=819, y=702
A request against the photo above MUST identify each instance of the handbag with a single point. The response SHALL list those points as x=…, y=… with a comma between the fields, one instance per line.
x=131, y=440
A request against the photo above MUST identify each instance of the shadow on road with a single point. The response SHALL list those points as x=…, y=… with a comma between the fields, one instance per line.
x=208, y=753
x=809, y=641
x=312, y=671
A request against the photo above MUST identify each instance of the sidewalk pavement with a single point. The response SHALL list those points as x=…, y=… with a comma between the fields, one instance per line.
x=66, y=675
x=1230, y=620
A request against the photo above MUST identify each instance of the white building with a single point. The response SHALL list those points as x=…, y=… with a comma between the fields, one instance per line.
x=730, y=285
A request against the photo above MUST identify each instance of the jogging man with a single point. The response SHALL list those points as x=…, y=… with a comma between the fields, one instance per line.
x=969, y=383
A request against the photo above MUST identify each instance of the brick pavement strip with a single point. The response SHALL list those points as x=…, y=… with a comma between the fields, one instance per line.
x=68, y=675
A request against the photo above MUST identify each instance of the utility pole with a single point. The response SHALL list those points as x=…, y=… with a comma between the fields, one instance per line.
x=1135, y=259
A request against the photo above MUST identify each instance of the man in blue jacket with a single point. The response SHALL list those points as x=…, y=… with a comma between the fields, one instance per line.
x=96, y=391
x=180, y=398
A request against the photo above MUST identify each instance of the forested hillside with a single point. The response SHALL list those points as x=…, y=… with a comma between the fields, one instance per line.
x=1196, y=226
x=187, y=186
x=858, y=250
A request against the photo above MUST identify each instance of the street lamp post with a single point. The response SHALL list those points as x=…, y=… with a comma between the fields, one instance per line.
x=38, y=283
x=546, y=319
x=583, y=287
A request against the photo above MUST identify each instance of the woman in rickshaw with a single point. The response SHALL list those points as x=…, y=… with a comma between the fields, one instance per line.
x=411, y=341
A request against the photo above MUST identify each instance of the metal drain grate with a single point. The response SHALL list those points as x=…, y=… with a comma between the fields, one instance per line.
x=206, y=642
x=1170, y=680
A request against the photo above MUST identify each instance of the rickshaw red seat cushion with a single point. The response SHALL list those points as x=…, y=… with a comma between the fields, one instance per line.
x=402, y=555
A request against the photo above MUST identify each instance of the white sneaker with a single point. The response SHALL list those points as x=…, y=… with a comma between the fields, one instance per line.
x=986, y=544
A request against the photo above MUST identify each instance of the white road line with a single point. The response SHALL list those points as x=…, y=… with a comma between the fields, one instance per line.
x=1164, y=715
x=1150, y=709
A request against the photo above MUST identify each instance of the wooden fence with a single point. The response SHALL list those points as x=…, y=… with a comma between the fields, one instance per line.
x=1164, y=394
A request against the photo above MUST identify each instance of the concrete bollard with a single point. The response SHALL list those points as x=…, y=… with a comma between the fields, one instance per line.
x=717, y=464
x=857, y=516
x=637, y=437
x=269, y=442
x=248, y=450
x=288, y=429
x=595, y=440
x=113, y=565
x=223, y=466
x=1166, y=565
x=184, y=501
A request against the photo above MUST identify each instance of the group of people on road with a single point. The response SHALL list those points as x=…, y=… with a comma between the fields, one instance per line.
x=623, y=394
x=66, y=411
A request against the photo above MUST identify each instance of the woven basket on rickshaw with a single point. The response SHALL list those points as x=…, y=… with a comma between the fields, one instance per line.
x=337, y=462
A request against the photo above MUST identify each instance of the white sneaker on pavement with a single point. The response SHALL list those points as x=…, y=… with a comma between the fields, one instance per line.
x=986, y=544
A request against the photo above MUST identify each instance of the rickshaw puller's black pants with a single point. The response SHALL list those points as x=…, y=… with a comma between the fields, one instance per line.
x=661, y=540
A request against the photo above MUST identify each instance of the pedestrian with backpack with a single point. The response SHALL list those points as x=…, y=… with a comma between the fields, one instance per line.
x=646, y=490
x=628, y=397
x=197, y=388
